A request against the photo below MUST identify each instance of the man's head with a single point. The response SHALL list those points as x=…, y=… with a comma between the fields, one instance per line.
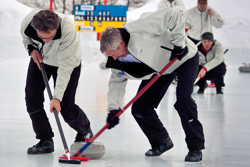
x=207, y=40
x=46, y=23
x=112, y=43
x=202, y=5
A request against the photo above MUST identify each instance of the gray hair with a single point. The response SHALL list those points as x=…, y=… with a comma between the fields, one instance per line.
x=110, y=39
x=45, y=21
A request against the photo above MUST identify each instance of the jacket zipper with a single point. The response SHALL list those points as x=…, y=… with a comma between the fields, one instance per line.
x=201, y=22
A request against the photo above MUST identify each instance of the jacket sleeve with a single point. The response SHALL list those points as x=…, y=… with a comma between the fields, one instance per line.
x=117, y=85
x=218, y=57
x=180, y=6
x=185, y=18
x=158, y=22
x=216, y=19
x=162, y=4
x=67, y=58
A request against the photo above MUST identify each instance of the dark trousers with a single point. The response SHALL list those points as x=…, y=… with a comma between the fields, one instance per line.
x=193, y=40
x=147, y=118
x=34, y=96
x=216, y=75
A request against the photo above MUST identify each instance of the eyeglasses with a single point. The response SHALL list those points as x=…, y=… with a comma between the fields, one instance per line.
x=202, y=3
x=47, y=38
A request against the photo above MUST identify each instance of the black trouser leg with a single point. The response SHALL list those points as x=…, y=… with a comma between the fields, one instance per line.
x=216, y=74
x=34, y=101
x=144, y=113
x=186, y=106
x=193, y=40
x=71, y=112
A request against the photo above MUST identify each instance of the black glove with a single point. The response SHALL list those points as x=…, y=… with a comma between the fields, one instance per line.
x=179, y=52
x=111, y=119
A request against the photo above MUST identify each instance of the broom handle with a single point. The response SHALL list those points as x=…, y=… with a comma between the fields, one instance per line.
x=45, y=79
x=126, y=106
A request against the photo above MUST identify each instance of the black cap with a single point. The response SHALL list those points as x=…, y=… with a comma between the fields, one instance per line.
x=207, y=35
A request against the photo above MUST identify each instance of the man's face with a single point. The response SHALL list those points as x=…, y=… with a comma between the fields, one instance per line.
x=207, y=44
x=46, y=37
x=121, y=52
x=202, y=5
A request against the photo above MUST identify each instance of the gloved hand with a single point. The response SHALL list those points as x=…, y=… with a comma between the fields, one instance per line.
x=179, y=52
x=112, y=122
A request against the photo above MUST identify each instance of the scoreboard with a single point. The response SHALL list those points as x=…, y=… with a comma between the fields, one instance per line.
x=95, y=18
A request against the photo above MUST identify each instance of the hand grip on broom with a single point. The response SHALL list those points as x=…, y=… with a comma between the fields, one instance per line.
x=157, y=76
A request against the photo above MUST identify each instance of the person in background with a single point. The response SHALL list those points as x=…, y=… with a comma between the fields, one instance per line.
x=212, y=64
x=200, y=19
x=176, y=4
x=51, y=38
x=139, y=50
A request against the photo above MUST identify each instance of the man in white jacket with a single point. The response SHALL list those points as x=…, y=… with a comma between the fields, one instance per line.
x=138, y=51
x=51, y=38
x=176, y=4
x=200, y=19
x=212, y=64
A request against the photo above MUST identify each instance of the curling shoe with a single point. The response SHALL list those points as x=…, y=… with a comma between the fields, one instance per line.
x=193, y=156
x=202, y=89
x=157, y=151
x=42, y=147
x=82, y=137
x=219, y=90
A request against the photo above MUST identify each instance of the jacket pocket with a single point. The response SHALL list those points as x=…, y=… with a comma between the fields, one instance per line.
x=163, y=47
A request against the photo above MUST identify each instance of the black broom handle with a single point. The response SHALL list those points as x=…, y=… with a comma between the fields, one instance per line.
x=45, y=79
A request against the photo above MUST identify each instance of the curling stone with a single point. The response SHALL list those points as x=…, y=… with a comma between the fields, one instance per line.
x=94, y=151
x=102, y=65
x=244, y=69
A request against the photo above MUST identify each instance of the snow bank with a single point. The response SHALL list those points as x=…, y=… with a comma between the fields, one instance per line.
x=11, y=16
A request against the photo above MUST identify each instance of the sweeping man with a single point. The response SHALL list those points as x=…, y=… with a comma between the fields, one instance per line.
x=51, y=38
x=139, y=50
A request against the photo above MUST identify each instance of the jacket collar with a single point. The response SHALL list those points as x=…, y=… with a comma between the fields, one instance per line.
x=32, y=33
x=205, y=11
x=137, y=70
x=125, y=35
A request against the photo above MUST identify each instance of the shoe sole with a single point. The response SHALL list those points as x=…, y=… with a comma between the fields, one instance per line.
x=191, y=162
x=168, y=148
x=47, y=151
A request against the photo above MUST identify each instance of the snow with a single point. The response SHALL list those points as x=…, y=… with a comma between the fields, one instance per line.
x=11, y=15
x=233, y=35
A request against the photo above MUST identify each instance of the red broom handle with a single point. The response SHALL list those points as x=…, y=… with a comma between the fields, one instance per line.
x=51, y=5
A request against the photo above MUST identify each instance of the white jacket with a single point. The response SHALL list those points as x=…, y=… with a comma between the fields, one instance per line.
x=177, y=4
x=148, y=37
x=213, y=58
x=200, y=22
x=64, y=51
